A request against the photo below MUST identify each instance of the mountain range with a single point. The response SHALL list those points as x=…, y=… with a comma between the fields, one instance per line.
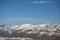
x=48, y=29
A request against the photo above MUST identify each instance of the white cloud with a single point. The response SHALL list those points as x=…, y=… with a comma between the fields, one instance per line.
x=42, y=2
x=25, y=20
x=15, y=19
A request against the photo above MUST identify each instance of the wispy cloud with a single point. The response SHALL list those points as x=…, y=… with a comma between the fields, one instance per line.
x=18, y=19
x=41, y=2
x=14, y=20
x=25, y=20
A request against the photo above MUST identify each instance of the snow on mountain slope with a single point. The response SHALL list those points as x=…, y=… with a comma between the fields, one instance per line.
x=49, y=29
x=31, y=26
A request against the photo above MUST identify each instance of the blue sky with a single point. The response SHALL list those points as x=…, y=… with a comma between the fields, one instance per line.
x=29, y=11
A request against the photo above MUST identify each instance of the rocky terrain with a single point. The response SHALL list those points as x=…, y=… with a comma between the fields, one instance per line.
x=35, y=32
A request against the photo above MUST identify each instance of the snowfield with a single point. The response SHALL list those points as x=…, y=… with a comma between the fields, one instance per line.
x=36, y=32
x=30, y=28
x=14, y=38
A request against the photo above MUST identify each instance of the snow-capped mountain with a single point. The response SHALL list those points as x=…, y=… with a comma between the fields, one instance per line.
x=48, y=29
